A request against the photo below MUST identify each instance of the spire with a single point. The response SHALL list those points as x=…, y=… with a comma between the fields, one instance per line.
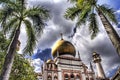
x=42, y=67
x=44, y=59
x=79, y=55
x=61, y=36
x=91, y=67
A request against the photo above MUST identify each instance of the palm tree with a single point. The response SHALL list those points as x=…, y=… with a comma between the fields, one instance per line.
x=13, y=15
x=87, y=10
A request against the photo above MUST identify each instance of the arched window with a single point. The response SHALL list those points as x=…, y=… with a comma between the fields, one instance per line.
x=87, y=78
x=55, y=78
x=77, y=77
x=66, y=77
x=49, y=77
x=72, y=77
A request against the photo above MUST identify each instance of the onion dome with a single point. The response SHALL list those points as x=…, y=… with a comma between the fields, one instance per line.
x=63, y=47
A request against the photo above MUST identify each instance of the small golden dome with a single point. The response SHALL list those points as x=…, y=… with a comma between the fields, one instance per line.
x=63, y=47
x=50, y=61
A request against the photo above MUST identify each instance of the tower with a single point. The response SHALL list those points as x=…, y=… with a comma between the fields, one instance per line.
x=91, y=67
x=97, y=60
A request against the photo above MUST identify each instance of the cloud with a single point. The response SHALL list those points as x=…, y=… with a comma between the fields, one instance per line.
x=39, y=57
x=37, y=63
x=118, y=11
x=43, y=54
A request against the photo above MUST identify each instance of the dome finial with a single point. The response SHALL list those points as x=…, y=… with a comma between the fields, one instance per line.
x=61, y=36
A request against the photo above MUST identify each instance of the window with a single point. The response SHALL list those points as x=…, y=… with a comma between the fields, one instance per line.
x=87, y=78
x=49, y=77
x=72, y=77
x=66, y=77
x=91, y=79
x=55, y=78
x=77, y=77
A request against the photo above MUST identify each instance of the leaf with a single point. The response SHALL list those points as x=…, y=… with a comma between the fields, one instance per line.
x=109, y=12
x=93, y=27
x=31, y=39
x=72, y=12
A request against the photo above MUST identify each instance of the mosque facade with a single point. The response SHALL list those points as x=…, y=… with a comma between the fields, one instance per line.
x=65, y=66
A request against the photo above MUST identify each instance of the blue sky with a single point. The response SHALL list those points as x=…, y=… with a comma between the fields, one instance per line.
x=113, y=3
x=44, y=55
x=58, y=24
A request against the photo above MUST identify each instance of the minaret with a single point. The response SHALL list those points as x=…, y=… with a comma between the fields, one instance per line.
x=97, y=60
x=91, y=67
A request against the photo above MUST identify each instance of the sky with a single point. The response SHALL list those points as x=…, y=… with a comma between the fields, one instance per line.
x=82, y=42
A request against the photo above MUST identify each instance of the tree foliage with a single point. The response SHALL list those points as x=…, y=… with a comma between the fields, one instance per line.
x=21, y=69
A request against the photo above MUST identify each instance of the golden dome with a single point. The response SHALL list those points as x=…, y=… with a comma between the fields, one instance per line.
x=63, y=47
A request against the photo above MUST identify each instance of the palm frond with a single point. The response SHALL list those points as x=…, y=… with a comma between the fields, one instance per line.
x=84, y=15
x=10, y=4
x=38, y=24
x=38, y=15
x=72, y=1
x=31, y=39
x=93, y=26
x=109, y=12
x=72, y=12
x=83, y=3
x=4, y=14
x=42, y=12
x=3, y=42
x=13, y=30
x=3, y=1
x=22, y=6
x=9, y=25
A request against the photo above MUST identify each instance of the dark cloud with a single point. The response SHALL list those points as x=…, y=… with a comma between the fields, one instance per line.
x=44, y=55
x=57, y=24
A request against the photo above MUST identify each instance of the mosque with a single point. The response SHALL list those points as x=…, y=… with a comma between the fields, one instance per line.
x=65, y=66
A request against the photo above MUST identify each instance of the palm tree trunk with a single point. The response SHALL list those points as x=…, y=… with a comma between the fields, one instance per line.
x=114, y=37
x=9, y=58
